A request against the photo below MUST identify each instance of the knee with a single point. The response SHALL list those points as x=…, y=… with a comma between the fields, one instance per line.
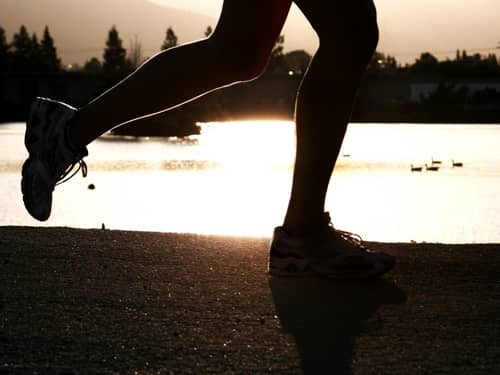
x=241, y=60
x=246, y=64
x=353, y=41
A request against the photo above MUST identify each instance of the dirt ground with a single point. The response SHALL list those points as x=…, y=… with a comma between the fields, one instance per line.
x=100, y=301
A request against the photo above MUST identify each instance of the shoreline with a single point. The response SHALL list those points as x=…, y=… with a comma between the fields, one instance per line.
x=109, y=301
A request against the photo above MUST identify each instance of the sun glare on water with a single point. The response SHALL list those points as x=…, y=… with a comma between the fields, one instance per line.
x=250, y=145
x=252, y=167
x=235, y=179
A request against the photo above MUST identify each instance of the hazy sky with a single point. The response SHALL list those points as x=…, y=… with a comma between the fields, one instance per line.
x=407, y=27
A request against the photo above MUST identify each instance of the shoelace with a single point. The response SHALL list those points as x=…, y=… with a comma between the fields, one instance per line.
x=81, y=166
x=351, y=238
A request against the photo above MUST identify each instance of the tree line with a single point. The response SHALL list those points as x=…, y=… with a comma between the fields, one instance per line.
x=27, y=54
x=427, y=65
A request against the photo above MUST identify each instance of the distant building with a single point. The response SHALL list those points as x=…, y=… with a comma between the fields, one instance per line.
x=422, y=90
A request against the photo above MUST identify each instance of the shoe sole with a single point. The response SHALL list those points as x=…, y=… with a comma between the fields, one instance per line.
x=29, y=180
x=294, y=268
x=33, y=170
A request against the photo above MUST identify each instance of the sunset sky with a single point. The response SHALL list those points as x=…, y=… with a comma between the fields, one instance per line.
x=408, y=27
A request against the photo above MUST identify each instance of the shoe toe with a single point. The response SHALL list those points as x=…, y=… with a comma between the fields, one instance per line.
x=37, y=196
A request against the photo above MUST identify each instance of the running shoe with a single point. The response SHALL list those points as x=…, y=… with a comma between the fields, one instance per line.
x=327, y=253
x=51, y=155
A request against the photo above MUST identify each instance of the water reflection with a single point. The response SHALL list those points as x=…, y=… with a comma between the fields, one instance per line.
x=132, y=139
x=151, y=165
x=235, y=178
x=325, y=317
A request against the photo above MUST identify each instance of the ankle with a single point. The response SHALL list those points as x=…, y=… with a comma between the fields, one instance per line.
x=72, y=139
x=302, y=228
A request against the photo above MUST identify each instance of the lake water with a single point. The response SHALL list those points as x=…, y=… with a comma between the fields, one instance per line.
x=234, y=179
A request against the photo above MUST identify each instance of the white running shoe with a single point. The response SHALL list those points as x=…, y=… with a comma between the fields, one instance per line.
x=51, y=156
x=327, y=253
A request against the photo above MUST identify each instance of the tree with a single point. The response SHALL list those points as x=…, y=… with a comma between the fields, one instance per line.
x=170, y=39
x=93, y=66
x=381, y=61
x=426, y=58
x=278, y=47
x=427, y=63
x=376, y=60
x=277, y=60
x=297, y=61
x=492, y=59
x=4, y=52
x=48, y=53
x=115, y=62
x=34, y=55
x=208, y=31
x=135, y=52
x=391, y=62
x=21, y=45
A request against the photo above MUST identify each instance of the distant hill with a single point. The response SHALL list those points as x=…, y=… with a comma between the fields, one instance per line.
x=80, y=27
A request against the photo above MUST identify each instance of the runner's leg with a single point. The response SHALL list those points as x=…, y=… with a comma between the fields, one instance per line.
x=348, y=36
x=238, y=50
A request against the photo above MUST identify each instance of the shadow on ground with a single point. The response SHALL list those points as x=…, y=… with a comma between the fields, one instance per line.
x=326, y=316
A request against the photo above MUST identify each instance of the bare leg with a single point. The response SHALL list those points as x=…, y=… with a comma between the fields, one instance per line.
x=348, y=35
x=238, y=50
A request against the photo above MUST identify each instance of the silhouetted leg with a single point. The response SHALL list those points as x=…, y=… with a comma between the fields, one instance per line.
x=348, y=36
x=238, y=50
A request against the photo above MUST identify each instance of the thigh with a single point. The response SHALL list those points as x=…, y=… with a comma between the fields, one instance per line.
x=338, y=18
x=253, y=23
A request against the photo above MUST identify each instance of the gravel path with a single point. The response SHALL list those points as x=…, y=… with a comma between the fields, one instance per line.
x=100, y=301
